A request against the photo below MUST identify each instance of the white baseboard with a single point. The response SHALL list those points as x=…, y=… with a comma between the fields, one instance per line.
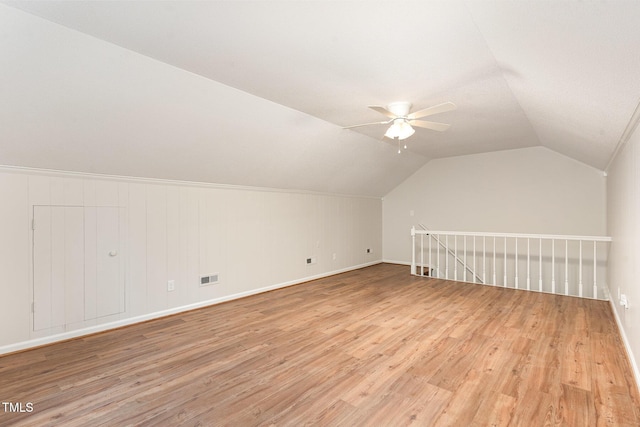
x=632, y=360
x=391, y=261
x=11, y=348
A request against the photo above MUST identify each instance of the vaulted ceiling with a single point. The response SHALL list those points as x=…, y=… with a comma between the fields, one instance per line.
x=257, y=92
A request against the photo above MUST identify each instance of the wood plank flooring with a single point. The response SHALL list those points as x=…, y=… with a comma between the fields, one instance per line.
x=372, y=347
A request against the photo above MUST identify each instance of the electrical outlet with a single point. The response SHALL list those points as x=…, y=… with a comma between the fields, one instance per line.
x=369, y=251
x=311, y=260
x=171, y=285
x=623, y=301
x=334, y=256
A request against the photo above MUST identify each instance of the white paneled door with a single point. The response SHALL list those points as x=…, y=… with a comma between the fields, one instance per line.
x=77, y=265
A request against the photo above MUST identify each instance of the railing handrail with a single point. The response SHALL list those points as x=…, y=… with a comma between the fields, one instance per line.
x=514, y=235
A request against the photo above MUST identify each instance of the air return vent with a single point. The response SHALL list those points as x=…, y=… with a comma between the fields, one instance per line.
x=209, y=280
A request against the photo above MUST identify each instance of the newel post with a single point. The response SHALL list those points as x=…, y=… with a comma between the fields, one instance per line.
x=413, y=251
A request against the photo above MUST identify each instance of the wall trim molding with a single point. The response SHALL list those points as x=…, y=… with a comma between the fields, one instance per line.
x=624, y=138
x=65, y=336
x=627, y=346
x=160, y=181
x=391, y=261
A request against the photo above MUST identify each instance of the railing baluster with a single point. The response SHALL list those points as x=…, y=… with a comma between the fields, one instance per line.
x=553, y=266
x=438, y=256
x=446, y=257
x=495, y=282
x=595, y=287
x=474, y=260
x=430, y=266
x=540, y=265
x=455, y=257
x=516, y=280
x=422, y=255
x=566, y=267
x=528, y=264
x=464, y=258
x=484, y=258
x=580, y=272
x=505, y=263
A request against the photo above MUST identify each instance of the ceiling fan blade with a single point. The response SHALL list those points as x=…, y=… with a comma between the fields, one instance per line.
x=440, y=127
x=383, y=110
x=367, y=124
x=440, y=108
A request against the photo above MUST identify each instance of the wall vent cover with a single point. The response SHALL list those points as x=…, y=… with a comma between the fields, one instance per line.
x=209, y=280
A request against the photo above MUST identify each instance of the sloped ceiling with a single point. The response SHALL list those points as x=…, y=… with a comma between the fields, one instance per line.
x=256, y=93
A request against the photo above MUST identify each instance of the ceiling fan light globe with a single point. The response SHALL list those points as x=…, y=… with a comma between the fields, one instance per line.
x=406, y=132
x=400, y=129
x=392, y=132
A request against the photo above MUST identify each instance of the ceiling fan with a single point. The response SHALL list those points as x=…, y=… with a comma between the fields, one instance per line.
x=402, y=121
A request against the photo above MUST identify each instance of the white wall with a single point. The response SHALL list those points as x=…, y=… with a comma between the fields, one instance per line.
x=255, y=239
x=623, y=220
x=530, y=190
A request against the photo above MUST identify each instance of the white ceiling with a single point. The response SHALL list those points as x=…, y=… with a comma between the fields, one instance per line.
x=256, y=92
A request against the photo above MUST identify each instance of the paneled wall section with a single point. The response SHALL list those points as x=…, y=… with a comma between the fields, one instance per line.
x=252, y=239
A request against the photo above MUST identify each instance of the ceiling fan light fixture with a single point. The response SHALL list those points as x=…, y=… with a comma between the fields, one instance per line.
x=407, y=132
x=400, y=129
x=401, y=120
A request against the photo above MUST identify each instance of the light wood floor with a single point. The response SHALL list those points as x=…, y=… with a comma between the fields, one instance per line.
x=372, y=347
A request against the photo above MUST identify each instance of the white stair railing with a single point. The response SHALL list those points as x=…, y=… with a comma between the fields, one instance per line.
x=568, y=265
x=453, y=253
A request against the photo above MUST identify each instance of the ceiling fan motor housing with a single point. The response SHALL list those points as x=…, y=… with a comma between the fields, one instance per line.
x=400, y=109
